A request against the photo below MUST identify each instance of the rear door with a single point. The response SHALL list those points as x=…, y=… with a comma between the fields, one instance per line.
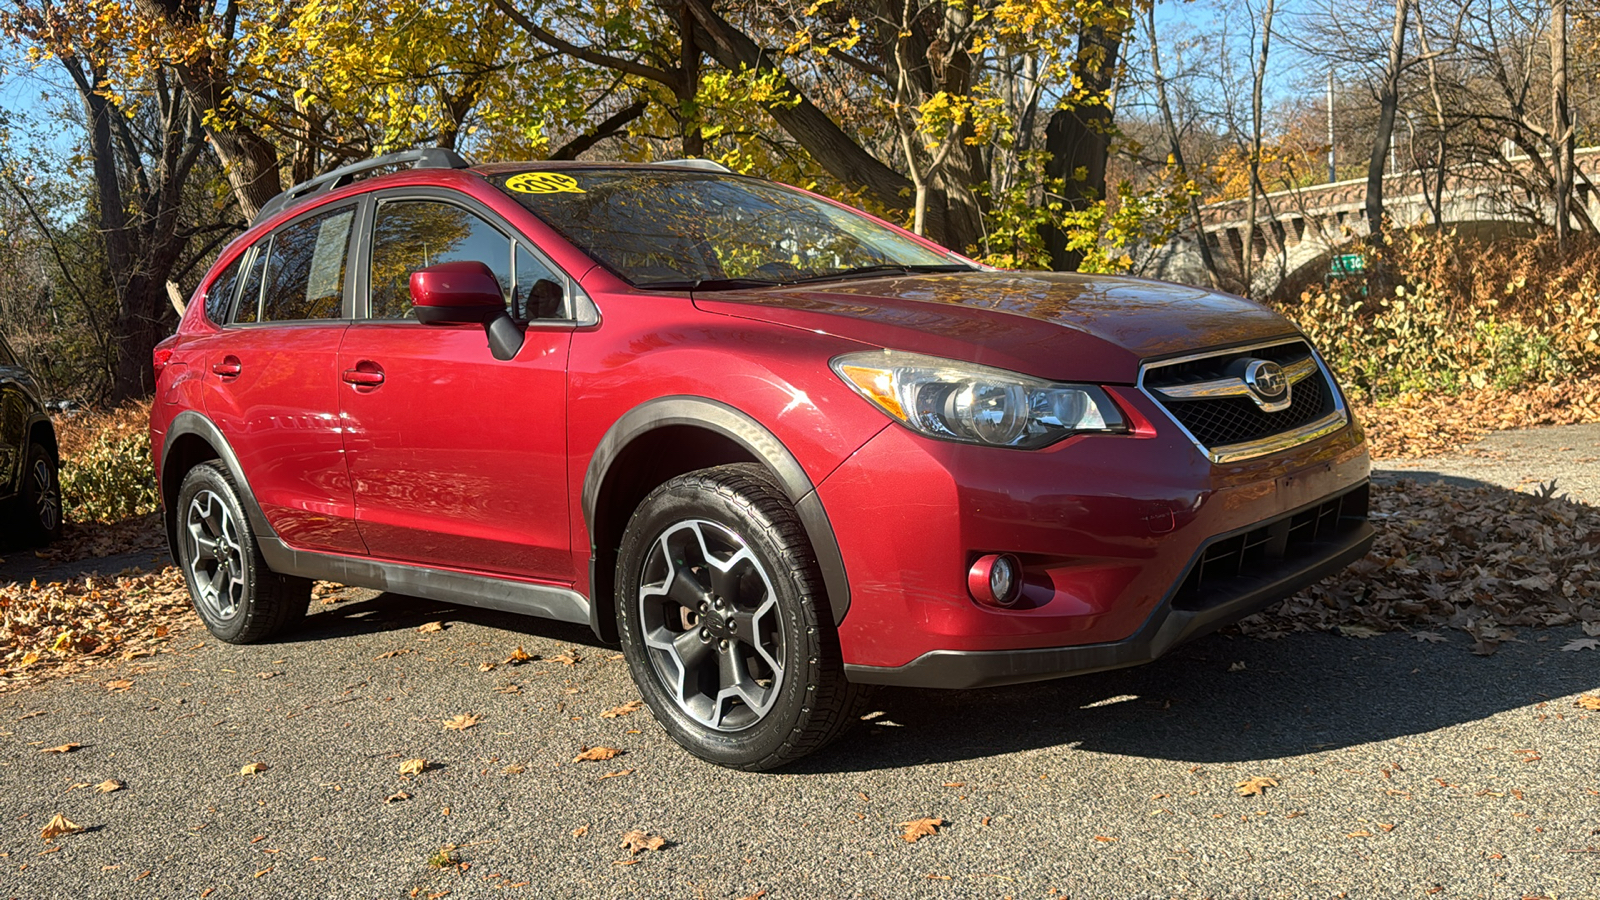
x=458, y=459
x=272, y=376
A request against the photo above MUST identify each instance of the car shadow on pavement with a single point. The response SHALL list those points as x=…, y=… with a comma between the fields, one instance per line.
x=401, y=614
x=1300, y=694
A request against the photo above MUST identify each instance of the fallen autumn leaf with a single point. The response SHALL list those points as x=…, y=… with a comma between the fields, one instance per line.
x=594, y=754
x=917, y=829
x=636, y=841
x=461, y=722
x=59, y=825
x=255, y=768
x=624, y=709
x=1253, y=786
x=414, y=766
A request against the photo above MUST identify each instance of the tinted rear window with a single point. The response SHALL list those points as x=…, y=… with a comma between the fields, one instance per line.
x=305, y=271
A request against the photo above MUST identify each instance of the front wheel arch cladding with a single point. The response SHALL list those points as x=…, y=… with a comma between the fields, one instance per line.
x=739, y=433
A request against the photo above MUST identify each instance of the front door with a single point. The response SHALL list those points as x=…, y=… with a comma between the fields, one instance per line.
x=458, y=459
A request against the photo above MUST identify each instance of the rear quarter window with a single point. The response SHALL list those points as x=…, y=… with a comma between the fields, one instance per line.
x=219, y=296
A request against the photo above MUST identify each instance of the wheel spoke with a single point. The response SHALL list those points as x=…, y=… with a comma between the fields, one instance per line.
x=685, y=590
x=725, y=581
x=751, y=632
x=205, y=548
x=691, y=652
x=736, y=683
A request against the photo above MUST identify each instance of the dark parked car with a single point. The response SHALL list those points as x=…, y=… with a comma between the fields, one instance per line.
x=776, y=448
x=30, y=487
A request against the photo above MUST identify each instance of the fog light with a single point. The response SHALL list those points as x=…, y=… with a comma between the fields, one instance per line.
x=996, y=579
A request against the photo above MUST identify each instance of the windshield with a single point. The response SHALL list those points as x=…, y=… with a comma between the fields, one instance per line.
x=687, y=230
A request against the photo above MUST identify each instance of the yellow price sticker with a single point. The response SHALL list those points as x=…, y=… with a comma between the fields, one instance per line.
x=544, y=183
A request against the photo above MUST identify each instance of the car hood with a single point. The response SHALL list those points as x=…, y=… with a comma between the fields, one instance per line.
x=1061, y=326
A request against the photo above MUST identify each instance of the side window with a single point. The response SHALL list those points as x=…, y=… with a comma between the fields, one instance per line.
x=250, y=296
x=305, y=270
x=223, y=288
x=414, y=234
x=541, y=291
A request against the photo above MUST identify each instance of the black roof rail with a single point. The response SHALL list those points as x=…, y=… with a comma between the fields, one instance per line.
x=426, y=158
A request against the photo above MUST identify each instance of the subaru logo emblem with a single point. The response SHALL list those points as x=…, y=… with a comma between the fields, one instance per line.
x=1265, y=379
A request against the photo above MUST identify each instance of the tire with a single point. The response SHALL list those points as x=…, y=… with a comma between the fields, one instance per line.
x=239, y=599
x=723, y=621
x=38, y=509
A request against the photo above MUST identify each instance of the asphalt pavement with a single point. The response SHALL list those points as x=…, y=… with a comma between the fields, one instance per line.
x=1564, y=459
x=1402, y=768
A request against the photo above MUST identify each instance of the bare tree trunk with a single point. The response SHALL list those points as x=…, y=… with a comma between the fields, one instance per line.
x=694, y=142
x=1175, y=148
x=1561, y=131
x=1388, y=104
x=1078, y=138
x=1435, y=200
x=1255, y=148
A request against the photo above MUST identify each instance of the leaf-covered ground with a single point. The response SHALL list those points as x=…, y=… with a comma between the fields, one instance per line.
x=1481, y=560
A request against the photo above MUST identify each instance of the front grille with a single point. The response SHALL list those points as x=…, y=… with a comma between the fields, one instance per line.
x=1234, y=420
x=1222, y=421
x=1223, y=565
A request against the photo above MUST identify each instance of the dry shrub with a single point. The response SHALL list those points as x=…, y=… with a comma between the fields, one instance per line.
x=1460, y=315
x=106, y=473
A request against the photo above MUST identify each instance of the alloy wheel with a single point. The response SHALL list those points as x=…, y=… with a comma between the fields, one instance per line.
x=47, y=495
x=216, y=556
x=712, y=625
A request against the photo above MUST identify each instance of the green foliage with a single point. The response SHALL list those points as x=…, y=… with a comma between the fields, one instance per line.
x=106, y=473
x=1460, y=316
x=1111, y=234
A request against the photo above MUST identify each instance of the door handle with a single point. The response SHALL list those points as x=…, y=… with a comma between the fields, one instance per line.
x=228, y=368
x=362, y=378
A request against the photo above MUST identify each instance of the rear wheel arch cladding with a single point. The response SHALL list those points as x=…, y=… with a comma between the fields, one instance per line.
x=192, y=439
x=655, y=431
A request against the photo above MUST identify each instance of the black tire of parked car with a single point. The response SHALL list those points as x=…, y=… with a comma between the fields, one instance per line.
x=240, y=599
x=691, y=629
x=39, y=509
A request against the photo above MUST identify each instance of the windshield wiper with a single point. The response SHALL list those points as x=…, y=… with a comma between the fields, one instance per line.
x=707, y=284
x=884, y=268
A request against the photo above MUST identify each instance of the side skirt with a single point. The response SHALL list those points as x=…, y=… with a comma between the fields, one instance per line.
x=546, y=601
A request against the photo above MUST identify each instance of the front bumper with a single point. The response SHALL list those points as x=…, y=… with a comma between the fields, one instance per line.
x=1110, y=530
x=1189, y=611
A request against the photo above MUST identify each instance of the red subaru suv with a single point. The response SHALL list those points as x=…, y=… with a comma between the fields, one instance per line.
x=774, y=447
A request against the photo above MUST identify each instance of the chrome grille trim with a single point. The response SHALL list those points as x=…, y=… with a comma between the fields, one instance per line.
x=1323, y=426
x=1295, y=372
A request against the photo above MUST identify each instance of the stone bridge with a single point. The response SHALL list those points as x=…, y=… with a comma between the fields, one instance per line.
x=1299, y=231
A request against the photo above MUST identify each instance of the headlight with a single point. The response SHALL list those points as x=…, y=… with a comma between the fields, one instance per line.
x=960, y=401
